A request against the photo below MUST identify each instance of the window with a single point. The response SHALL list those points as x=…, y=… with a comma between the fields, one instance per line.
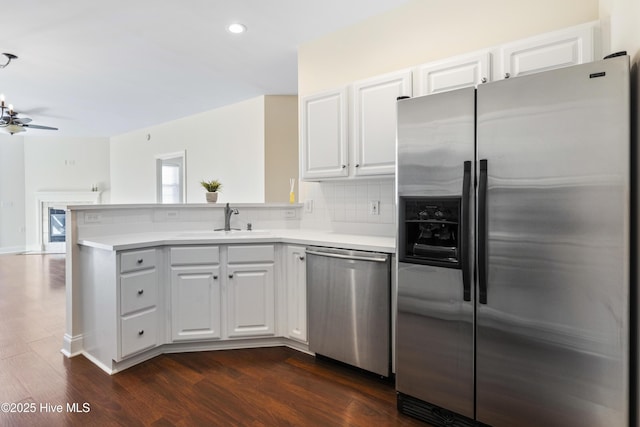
x=171, y=183
x=170, y=178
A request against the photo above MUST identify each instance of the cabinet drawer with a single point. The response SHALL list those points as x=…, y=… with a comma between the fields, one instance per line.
x=138, y=332
x=137, y=260
x=257, y=253
x=195, y=255
x=138, y=290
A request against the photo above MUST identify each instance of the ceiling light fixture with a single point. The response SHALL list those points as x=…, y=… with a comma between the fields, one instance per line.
x=10, y=121
x=13, y=128
x=10, y=56
x=7, y=121
x=236, y=28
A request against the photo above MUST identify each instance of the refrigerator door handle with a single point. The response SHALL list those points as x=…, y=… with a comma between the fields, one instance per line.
x=466, y=233
x=482, y=232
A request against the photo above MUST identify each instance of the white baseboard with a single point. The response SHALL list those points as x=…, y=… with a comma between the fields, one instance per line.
x=71, y=346
x=12, y=249
x=184, y=347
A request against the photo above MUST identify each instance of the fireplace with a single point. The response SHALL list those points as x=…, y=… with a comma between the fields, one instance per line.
x=51, y=224
x=57, y=225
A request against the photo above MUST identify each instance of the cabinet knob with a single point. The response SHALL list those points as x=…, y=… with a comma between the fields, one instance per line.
x=507, y=75
x=140, y=291
x=140, y=260
x=141, y=332
x=484, y=80
x=215, y=277
x=231, y=276
x=357, y=165
x=344, y=166
x=301, y=257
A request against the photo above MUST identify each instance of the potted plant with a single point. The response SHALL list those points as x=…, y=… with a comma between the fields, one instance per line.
x=212, y=188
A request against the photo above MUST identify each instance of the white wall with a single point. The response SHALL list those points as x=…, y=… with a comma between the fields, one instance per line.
x=413, y=34
x=12, y=225
x=225, y=144
x=623, y=19
x=62, y=164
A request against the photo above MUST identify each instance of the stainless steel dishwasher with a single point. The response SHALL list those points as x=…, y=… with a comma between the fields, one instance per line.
x=349, y=306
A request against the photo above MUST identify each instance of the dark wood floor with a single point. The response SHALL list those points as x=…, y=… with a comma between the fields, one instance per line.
x=256, y=387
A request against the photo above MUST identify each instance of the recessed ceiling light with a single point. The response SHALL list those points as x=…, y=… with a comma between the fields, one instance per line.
x=236, y=28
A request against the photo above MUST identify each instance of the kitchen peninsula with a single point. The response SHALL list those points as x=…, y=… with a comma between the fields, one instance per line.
x=150, y=279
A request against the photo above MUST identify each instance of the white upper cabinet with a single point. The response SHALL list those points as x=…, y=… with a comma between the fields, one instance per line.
x=374, y=122
x=572, y=46
x=329, y=139
x=454, y=73
x=323, y=135
x=350, y=132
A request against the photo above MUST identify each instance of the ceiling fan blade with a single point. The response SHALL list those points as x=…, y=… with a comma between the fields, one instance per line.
x=21, y=120
x=40, y=127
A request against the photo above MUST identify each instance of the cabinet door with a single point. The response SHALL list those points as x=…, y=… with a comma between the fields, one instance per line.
x=553, y=50
x=374, y=122
x=454, y=73
x=195, y=303
x=323, y=133
x=296, y=293
x=250, y=300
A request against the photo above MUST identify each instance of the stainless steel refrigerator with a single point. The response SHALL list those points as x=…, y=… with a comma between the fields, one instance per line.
x=513, y=251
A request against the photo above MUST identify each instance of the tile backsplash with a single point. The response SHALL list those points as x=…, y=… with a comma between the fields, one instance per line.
x=346, y=206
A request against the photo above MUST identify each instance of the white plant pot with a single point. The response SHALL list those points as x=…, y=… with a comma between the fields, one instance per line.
x=212, y=197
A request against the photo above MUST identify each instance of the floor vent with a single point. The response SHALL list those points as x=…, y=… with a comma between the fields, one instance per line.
x=432, y=414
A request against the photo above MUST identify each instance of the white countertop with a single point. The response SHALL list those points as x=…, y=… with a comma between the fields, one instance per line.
x=300, y=237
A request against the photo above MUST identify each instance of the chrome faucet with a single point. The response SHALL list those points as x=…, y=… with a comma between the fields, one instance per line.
x=228, y=211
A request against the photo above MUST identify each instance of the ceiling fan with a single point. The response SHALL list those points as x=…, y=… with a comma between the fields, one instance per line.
x=9, y=119
x=13, y=124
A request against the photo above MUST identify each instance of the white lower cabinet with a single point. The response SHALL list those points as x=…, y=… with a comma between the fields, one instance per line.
x=195, y=303
x=196, y=293
x=296, y=288
x=139, y=332
x=189, y=297
x=250, y=291
x=250, y=301
x=138, y=290
x=214, y=299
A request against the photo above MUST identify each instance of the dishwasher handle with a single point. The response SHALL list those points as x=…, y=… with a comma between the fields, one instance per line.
x=360, y=257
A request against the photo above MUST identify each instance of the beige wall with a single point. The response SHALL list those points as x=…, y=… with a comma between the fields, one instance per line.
x=426, y=30
x=281, y=146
